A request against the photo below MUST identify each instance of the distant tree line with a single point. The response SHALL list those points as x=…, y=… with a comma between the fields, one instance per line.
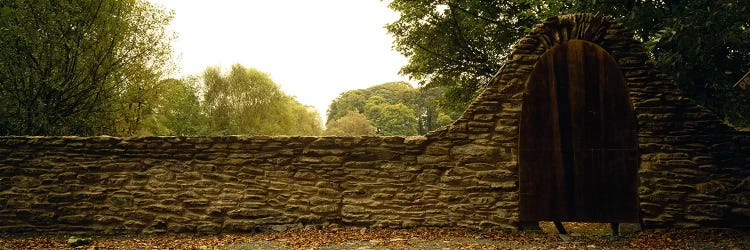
x=244, y=101
x=394, y=108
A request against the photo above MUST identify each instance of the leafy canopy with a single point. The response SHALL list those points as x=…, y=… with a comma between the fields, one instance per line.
x=247, y=101
x=394, y=108
x=351, y=124
x=459, y=45
x=80, y=67
x=178, y=110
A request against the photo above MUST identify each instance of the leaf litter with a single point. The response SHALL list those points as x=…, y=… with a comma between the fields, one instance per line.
x=582, y=236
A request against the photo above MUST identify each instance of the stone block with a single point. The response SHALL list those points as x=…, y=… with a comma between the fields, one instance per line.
x=161, y=174
x=332, y=159
x=307, y=159
x=432, y=159
x=181, y=228
x=309, y=219
x=744, y=184
x=484, y=117
x=359, y=201
x=714, y=187
x=710, y=210
x=651, y=209
x=73, y=219
x=482, y=200
x=60, y=197
x=741, y=199
x=247, y=213
x=313, y=152
x=303, y=175
x=324, y=209
x=219, y=177
x=96, y=197
x=116, y=180
x=350, y=209
x=196, y=203
x=208, y=228
x=496, y=175
x=230, y=196
x=415, y=140
x=372, y=154
x=702, y=219
x=473, y=153
x=160, y=208
x=408, y=196
x=138, y=215
x=317, y=200
x=328, y=192
x=505, y=130
x=427, y=178
x=503, y=185
x=742, y=212
x=240, y=226
x=107, y=220
x=25, y=181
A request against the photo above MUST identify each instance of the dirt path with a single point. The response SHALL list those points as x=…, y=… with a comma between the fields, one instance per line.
x=581, y=237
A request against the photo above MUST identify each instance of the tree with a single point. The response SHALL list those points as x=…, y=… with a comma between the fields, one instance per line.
x=458, y=45
x=396, y=119
x=704, y=45
x=353, y=100
x=79, y=67
x=393, y=92
x=178, y=111
x=306, y=120
x=395, y=108
x=351, y=124
x=357, y=100
x=427, y=108
x=246, y=101
x=461, y=44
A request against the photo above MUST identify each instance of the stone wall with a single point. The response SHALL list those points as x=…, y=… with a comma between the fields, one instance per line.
x=694, y=169
x=221, y=184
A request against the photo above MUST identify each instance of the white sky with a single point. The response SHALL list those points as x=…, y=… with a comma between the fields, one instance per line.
x=313, y=49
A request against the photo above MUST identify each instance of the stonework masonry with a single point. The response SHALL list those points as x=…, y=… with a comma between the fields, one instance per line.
x=220, y=184
x=694, y=172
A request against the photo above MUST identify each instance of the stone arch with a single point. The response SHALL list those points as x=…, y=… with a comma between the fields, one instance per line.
x=692, y=165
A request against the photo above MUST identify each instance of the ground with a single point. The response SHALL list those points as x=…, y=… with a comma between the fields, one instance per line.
x=582, y=236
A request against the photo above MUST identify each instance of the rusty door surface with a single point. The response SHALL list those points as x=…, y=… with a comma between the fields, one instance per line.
x=578, y=139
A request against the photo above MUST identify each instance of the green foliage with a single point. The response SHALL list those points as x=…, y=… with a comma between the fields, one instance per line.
x=353, y=100
x=243, y=102
x=246, y=101
x=351, y=124
x=179, y=111
x=80, y=67
x=305, y=120
x=459, y=45
x=705, y=46
x=394, y=108
x=396, y=119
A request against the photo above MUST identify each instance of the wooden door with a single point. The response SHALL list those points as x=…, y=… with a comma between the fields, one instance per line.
x=578, y=139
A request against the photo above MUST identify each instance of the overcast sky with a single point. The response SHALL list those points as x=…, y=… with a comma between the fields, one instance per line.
x=313, y=49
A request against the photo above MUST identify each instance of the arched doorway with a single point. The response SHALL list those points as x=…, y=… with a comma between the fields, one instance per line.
x=578, y=146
